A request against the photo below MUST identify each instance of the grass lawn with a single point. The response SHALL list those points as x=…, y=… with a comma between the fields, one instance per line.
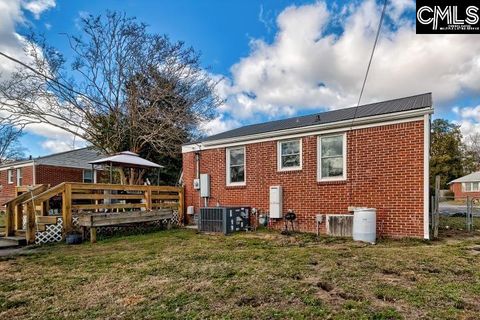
x=453, y=224
x=181, y=274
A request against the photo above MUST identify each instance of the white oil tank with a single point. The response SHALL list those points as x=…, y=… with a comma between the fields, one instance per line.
x=365, y=224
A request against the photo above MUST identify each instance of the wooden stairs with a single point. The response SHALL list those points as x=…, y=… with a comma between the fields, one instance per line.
x=14, y=241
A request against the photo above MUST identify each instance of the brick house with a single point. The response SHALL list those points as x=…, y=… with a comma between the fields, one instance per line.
x=326, y=163
x=53, y=169
x=466, y=186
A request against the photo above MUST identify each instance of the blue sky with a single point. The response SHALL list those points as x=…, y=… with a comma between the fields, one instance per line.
x=284, y=58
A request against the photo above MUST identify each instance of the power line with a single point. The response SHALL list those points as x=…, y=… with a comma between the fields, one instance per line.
x=350, y=189
x=370, y=61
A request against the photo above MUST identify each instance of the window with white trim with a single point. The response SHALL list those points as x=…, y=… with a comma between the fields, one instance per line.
x=10, y=176
x=471, y=186
x=19, y=177
x=289, y=155
x=236, y=174
x=332, y=157
x=88, y=176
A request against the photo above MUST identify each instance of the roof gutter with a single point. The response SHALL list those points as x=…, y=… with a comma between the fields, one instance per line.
x=302, y=131
x=16, y=166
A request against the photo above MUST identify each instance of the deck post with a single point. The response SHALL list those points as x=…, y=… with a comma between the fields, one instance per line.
x=9, y=220
x=45, y=207
x=18, y=209
x=181, y=205
x=93, y=234
x=148, y=198
x=30, y=234
x=67, y=209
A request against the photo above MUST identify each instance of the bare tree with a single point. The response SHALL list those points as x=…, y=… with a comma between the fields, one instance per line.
x=126, y=89
x=10, y=148
x=472, y=145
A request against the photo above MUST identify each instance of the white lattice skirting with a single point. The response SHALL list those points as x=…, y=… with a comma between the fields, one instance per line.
x=53, y=232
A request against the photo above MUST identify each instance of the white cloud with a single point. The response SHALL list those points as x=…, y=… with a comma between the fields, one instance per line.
x=218, y=125
x=56, y=145
x=37, y=7
x=308, y=67
x=469, y=119
x=11, y=15
x=264, y=17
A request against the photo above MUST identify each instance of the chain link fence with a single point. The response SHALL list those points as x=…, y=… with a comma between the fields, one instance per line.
x=455, y=215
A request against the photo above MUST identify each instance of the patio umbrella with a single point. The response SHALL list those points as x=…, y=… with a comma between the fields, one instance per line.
x=126, y=159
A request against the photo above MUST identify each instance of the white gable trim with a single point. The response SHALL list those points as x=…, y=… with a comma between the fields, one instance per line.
x=16, y=166
x=362, y=123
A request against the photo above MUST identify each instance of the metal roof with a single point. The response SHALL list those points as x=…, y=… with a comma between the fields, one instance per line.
x=472, y=177
x=127, y=159
x=78, y=158
x=373, y=109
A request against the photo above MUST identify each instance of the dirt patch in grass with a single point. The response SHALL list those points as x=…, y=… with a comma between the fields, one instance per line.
x=179, y=274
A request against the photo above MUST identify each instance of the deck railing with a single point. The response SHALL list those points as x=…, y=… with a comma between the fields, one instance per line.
x=77, y=198
x=15, y=208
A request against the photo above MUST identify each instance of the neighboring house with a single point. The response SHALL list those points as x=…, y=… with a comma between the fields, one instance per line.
x=326, y=164
x=466, y=186
x=71, y=166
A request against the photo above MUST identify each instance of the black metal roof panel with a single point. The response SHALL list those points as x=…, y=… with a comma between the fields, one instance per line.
x=373, y=109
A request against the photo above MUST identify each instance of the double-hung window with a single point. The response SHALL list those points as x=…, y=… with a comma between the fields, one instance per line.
x=332, y=157
x=289, y=155
x=19, y=177
x=10, y=176
x=236, y=175
x=471, y=186
x=88, y=176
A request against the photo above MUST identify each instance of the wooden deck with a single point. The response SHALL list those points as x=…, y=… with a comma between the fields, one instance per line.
x=110, y=201
x=95, y=220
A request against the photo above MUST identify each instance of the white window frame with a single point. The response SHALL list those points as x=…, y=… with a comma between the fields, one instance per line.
x=83, y=175
x=228, y=182
x=279, y=155
x=470, y=184
x=10, y=176
x=319, y=158
x=19, y=176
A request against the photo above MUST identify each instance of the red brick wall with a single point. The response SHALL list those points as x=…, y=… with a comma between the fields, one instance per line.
x=55, y=175
x=384, y=171
x=459, y=194
x=44, y=175
x=7, y=190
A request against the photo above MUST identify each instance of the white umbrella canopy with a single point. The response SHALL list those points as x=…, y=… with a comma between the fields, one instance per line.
x=126, y=159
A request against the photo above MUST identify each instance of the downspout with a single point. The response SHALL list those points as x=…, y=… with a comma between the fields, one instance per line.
x=34, y=182
x=197, y=176
x=426, y=176
x=197, y=161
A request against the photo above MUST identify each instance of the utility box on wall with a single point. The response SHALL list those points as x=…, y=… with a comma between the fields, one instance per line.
x=276, y=202
x=205, y=185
